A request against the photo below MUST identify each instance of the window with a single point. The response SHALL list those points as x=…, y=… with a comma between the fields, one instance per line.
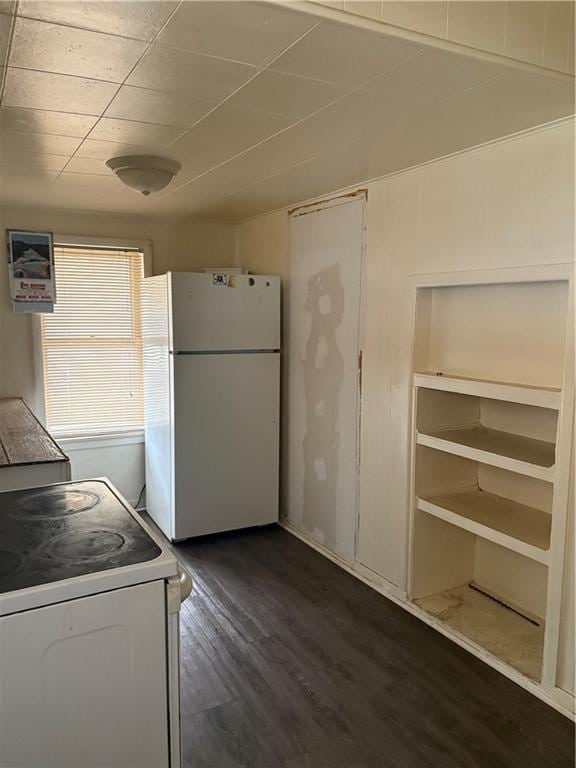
x=92, y=345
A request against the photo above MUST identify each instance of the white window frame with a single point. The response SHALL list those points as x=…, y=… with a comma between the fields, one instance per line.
x=87, y=441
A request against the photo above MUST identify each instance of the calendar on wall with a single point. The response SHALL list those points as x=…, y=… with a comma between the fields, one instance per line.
x=31, y=268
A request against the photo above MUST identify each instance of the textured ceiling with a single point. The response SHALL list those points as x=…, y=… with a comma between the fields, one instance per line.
x=262, y=104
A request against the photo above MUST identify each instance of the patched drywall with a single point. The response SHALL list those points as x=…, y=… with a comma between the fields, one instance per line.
x=320, y=374
x=323, y=377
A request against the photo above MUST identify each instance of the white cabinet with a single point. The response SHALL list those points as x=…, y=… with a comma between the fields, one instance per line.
x=101, y=663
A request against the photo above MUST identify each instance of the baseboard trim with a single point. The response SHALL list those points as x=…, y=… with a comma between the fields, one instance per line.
x=556, y=698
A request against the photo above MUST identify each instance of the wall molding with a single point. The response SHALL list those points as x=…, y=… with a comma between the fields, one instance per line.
x=92, y=442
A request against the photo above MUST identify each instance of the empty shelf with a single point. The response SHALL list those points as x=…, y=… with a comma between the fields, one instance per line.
x=499, y=630
x=524, y=455
x=525, y=394
x=523, y=529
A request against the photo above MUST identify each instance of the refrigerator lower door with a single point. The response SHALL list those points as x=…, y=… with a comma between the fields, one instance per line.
x=226, y=442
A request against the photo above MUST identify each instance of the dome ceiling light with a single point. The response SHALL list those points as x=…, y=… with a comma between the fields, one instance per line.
x=144, y=173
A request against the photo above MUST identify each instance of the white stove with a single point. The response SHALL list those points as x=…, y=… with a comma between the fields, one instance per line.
x=89, y=656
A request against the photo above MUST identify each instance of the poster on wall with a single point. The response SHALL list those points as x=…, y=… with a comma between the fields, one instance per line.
x=31, y=266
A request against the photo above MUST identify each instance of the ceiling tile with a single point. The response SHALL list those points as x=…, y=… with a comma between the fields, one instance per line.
x=337, y=168
x=81, y=188
x=510, y=103
x=124, y=199
x=223, y=134
x=89, y=166
x=62, y=93
x=208, y=188
x=272, y=156
x=191, y=74
x=19, y=141
x=131, y=103
x=43, y=121
x=68, y=51
x=28, y=160
x=133, y=132
x=432, y=75
x=7, y=6
x=251, y=32
x=25, y=185
x=141, y=20
x=286, y=94
x=343, y=54
x=104, y=150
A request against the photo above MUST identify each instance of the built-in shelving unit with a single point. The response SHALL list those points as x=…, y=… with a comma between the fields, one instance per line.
x=526, y=455
x=516, y=526
x=491, y=423
x=524, y=394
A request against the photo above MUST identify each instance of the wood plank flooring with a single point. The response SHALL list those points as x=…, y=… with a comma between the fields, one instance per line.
x=290, y=662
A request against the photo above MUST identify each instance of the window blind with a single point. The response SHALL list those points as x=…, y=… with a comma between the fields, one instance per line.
x=92, y=345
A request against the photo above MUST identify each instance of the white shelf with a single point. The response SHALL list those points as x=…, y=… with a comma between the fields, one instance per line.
x=523, y=455
x=523, y=529
x=499, y=630
x=543, y=397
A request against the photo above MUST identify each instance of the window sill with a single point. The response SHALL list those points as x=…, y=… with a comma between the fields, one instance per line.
x=90, y=442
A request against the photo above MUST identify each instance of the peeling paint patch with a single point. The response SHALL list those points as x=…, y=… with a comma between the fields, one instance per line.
x=324, y=304
x=320, y=469
x=323, y=366
x=321, y=352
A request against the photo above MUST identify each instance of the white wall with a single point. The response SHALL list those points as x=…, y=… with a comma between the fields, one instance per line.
x=176, y=245
x=120, y=459
x=506, y=204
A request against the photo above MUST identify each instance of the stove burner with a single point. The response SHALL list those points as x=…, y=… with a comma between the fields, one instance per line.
x=55, y=504
x=9, y=563
x=85, y=545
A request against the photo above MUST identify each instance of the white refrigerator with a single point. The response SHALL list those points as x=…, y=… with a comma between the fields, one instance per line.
x=211, y=351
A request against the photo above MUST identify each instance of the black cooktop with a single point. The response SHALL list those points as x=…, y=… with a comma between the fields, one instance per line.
x=70, y=529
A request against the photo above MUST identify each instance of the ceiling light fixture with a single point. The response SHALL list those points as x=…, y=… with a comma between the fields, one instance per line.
x=144, y=173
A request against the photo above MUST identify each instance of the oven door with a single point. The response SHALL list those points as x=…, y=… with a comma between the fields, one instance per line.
x=83, y=683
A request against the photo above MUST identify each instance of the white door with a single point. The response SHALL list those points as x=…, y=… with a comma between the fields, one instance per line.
x=226, y=433
x=239, y=313
x=83, y=683
x=321, y=430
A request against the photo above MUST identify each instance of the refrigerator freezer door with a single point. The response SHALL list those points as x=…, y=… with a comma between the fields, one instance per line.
x=239, y=312
x=226, y=442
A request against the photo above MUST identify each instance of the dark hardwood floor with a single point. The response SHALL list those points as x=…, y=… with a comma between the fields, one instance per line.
x=290, y=662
